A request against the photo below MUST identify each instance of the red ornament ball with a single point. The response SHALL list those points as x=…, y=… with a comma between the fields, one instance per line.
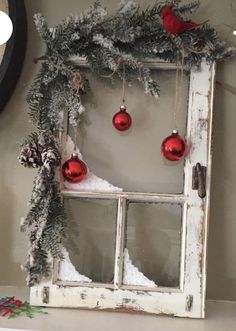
x=74, y=170
x=173, y=147
x=122, y=120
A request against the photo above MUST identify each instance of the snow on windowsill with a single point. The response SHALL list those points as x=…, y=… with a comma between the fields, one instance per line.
x=132, y=276
x=67, y=271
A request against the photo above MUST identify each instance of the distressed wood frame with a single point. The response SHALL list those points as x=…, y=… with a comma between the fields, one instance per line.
x=189, y=299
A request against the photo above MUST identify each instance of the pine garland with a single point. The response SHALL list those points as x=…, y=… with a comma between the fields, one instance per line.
x=46, y=217
x=107, y=43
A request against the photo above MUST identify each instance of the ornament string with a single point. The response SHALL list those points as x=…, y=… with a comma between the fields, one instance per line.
x=123, y=84
x=176, y=91
x=122, y=119
x=178, y=87
x=75, y=137
x=173, y=147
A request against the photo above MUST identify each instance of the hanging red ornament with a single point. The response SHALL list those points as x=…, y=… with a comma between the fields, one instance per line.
x=173, y=147
x=74, y=170
x=122, y=120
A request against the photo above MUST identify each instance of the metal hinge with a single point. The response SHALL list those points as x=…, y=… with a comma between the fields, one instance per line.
x=45, y=294
x=189, y=302
x=199, y=179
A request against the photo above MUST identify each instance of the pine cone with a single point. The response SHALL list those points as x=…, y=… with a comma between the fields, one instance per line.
x=50, y=158
x=199, y=45
x=30, y=156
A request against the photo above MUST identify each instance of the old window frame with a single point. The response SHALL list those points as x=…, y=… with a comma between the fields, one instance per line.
x=189, y=299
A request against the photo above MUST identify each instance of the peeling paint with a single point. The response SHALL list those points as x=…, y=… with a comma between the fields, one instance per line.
x=203, y=123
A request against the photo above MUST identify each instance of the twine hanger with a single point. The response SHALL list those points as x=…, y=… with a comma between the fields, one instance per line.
x=123, y=85
x=178, y=87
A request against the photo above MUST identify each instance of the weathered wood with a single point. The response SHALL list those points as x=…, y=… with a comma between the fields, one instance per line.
x=149, y=63
x=118, y=271
x=171, y=304
x=199, y=138
x=149, y=197
x=63, y=283
x=189, y=299
x=154, y=289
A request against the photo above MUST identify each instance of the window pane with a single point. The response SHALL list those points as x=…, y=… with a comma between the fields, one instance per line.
x=132, y=160
x=91, y=239
x=153, y=244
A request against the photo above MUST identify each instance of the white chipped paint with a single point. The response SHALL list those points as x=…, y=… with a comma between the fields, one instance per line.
x=120, y=233
x=200, y=136
x=120, y=299
x=194, y=231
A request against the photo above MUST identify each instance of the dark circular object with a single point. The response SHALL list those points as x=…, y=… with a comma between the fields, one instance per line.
x=13, y=57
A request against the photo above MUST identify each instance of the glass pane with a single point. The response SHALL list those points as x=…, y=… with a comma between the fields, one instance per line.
x=91, y=240
x=153, y=244
x=132, y=160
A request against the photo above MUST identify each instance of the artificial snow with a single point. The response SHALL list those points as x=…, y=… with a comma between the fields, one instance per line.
x=132, y=276
x=76, y=59
x=22, y=224
x=103, y=41
x=67, y=271
x=92, y=182
x=70, y=149
x=126, y=6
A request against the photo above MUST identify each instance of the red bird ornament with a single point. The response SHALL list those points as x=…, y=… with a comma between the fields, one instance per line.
x=174, y=24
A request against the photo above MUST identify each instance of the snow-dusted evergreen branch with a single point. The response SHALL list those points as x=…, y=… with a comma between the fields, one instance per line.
x=46, y=218
x=130, y=32
x=188, y=8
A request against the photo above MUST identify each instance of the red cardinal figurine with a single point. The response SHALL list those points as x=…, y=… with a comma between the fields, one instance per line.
x=174, y=24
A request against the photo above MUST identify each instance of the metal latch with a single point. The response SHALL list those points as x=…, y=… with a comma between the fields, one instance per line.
x=199, y=179
x=45, y=294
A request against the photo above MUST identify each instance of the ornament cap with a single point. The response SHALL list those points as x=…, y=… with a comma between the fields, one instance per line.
x=175, y=131
x=122, y=108
x=74, y=155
